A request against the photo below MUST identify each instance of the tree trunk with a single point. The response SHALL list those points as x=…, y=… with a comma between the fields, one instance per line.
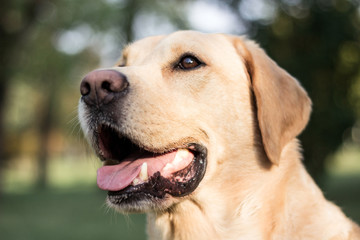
x=46, y=123
x=9, y=40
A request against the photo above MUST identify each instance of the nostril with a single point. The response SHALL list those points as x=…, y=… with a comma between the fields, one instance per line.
x=85, y=88
x=106, y=86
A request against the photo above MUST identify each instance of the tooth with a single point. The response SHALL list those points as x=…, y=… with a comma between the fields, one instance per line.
x=180, y=155
x=168, y=166
x=143, y=175
x=136, y=181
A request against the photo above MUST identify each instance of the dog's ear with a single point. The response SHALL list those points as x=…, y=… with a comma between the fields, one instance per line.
x=283, y=107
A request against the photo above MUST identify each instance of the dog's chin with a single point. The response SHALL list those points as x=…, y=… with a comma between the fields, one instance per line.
x=140, y=179
x=140, y=203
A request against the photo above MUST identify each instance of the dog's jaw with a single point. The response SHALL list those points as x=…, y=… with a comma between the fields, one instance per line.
x=165, y=184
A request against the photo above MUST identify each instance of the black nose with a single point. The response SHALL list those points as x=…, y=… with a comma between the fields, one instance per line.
x=101, y=86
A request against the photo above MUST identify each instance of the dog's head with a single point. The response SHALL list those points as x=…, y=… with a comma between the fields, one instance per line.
x=177, y=111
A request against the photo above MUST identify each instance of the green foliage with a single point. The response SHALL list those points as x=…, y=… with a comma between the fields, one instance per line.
x=318, y=42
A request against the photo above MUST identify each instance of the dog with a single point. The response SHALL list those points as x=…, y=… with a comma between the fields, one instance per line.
x=199, y=131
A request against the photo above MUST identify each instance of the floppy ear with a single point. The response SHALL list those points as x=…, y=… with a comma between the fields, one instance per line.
x=283, y=106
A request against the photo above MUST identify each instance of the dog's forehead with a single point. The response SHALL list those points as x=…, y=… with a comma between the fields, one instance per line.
x=175, y=43
x=141, y=47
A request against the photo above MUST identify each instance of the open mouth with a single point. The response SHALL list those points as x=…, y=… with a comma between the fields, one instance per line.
x=131, y=173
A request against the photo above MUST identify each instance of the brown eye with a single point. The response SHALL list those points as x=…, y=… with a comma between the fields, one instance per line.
x=189, y=62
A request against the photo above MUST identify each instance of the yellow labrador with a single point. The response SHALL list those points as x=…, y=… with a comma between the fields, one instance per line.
x=199, y=131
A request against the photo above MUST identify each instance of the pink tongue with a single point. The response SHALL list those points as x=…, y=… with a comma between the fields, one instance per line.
x=117, y=177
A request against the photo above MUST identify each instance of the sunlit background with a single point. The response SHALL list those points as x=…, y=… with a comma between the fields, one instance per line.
x=47, y=172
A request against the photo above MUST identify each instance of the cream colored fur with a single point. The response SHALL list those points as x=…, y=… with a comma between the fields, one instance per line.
x=247, y=112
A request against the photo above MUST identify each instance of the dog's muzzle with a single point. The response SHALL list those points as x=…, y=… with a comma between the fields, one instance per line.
x=136, y=175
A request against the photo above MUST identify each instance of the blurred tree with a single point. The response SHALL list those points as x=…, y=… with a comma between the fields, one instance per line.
x=318, y=42
x=15, y=20
x=47, y=45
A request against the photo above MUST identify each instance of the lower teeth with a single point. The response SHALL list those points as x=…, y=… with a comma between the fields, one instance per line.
x=136, y=181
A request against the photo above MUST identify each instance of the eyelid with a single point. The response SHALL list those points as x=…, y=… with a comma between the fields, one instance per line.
x=122, y=62
x=187, y=54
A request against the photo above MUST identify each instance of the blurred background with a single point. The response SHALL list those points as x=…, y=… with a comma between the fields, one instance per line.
x=47, y=172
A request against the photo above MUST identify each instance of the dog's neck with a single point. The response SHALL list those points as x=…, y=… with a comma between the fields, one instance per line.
x=261, y=201
x=187, y=220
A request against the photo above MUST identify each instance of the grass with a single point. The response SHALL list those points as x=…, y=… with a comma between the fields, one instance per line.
x=81, y=214
x=70, y=215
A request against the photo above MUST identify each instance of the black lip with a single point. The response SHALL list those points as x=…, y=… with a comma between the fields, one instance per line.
x=158, y=186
